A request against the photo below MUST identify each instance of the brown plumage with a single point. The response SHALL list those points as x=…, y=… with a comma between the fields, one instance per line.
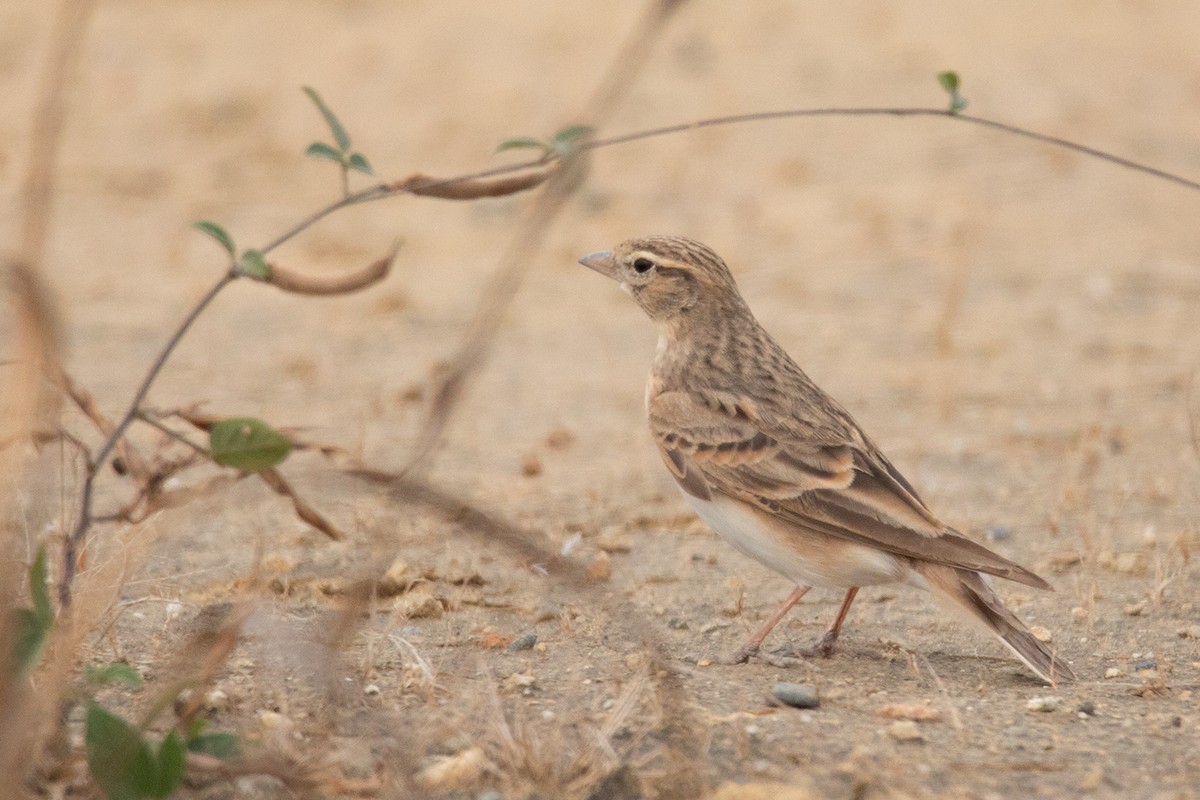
x=779, y=468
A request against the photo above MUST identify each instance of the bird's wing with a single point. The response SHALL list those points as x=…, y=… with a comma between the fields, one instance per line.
x=819, y=472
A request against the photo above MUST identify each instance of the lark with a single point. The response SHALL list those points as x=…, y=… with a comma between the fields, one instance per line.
x=780, y=469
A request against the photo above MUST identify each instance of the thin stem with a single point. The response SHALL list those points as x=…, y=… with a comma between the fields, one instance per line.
x=176, y=435
x=71, y=546
x=760, y=116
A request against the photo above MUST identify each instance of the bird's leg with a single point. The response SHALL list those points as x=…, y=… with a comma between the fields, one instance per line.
x=825, y=645
x=743, y=653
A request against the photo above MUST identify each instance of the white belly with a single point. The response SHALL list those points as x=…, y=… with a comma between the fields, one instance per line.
x=805, y=557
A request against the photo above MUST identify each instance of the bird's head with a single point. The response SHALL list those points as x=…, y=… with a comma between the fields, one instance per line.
x=672, y=278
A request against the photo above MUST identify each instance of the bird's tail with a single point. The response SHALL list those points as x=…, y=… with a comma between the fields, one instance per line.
x=971, y=593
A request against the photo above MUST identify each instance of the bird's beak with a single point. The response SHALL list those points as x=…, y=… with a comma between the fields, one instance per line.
x=602, y=261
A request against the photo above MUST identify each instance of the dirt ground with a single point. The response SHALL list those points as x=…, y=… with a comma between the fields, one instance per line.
x=1014, y=324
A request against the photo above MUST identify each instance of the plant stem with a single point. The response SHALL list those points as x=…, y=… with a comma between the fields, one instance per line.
x=75, y=540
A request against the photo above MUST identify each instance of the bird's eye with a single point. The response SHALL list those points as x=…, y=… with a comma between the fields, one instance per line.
x=643, y=265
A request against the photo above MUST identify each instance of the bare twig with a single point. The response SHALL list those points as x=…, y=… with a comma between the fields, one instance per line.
x=74, y=541
x=304, y=511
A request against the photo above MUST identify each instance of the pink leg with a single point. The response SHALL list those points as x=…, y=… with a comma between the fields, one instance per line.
x=743, y=653
x=825, y=646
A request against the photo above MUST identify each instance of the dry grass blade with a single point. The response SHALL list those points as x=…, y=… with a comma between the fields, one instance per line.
x=326, y=285
x=506, y=280
x=22, y=717
x=304, y=511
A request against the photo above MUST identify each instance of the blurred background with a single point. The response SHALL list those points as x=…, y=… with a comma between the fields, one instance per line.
x=1014, y=324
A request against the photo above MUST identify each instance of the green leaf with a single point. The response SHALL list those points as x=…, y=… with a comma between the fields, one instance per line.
x=322, y=150
x=28, y=634
x=248, y=444
x=254, y=265
x=118, y=758
x=519, y=142
x=950, y=82
x=217, y=745
x=359, y=162
x=572, y=133
x=169, y=769
x=217, y=232
x=339, y=133
x=116, y=672
x=31, y=626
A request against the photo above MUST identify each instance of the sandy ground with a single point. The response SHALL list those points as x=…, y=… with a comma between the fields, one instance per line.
x=1015, y=325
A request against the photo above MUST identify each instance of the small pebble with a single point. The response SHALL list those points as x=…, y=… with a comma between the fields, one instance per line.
x=1113, y=672
x=905, y=730
x=1135, y=609
x=796, y=695
x=1145, y=663
x=546, y=612
x=998, y=533
x=525, y=641
x=216, y=700
x=1042, y=634
x=1087, y=708
x=677, y=624
x=1042, y=703
x=371, y=689
x=1079, y=613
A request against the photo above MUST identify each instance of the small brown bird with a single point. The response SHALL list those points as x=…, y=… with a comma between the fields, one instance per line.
x=779, y=468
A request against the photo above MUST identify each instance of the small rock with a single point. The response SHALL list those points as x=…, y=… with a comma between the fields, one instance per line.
x=601, y=568
x=1093, y=779
x=1190, y=632
x=796, y=695
x=1128, y=563
x=1079, y=613
x=525, y=641
x=216, y=700
x=371, y=689
x=613, y=539
x=458, y=771
x=531, y=465
x=1145, y=663
x=546, y=612
x=398, y=578
x=1113, y=672
x=418, y=605
x=1087, y=708
x=559, y=438
x=677, y=624
x=905, y=730
x=521, y=680
x=1042, y=634
x=918, y=712
x=1043, y=704
x=1065, y=558
x=1135, y=609
x=998, y=533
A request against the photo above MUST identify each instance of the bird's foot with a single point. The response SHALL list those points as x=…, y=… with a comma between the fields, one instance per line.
x=740, y=656
x=824, y=646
